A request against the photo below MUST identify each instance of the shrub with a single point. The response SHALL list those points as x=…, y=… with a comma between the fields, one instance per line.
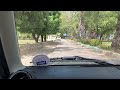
x=104, y=46
x=85, y=41
x=92, y=42
x=95, y=42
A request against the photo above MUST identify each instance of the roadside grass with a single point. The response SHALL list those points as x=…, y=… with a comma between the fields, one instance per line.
x=26, y=42
x=105, y=45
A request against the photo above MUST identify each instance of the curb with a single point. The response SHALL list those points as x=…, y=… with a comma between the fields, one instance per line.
x=96, y=49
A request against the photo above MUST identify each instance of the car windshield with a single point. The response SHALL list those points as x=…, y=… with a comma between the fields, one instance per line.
x=69, y=37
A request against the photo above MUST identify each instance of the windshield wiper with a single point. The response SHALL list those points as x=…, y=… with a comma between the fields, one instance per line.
x=82, y=59
x=63, y=58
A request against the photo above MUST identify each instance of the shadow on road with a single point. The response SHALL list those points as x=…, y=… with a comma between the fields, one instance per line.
x=67, y=48
x=38, y=48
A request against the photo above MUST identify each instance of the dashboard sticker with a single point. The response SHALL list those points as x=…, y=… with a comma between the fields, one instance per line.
x=40, y=60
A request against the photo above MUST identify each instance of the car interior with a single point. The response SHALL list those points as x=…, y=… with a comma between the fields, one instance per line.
x=12, y=68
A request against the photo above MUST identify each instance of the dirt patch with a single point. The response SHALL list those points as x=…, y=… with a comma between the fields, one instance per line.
x=61, y=48
x=37, y=47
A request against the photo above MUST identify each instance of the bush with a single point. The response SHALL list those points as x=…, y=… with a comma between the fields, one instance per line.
x=92, y=42
x=85, y=41
x=106, y=47
x=95, y=42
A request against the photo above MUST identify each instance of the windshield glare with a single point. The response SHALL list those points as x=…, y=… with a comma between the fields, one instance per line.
x=58, y=34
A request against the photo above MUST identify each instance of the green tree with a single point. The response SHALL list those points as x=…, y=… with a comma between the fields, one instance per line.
x=52, y=23
x=37, y=23
x=116, y=41
x=30, y=22
x=69, y=22
x=102, y=23
x=81, y=27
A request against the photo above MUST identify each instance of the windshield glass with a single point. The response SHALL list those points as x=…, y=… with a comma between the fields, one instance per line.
x=63, y=35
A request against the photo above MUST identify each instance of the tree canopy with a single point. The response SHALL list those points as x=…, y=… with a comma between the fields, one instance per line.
x=76, y=24
x=37, y=23
x=102, y=23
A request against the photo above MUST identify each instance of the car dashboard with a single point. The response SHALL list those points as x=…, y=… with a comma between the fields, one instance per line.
x=67, y=72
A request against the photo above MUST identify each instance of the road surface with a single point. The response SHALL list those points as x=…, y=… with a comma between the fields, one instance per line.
x=63, y=47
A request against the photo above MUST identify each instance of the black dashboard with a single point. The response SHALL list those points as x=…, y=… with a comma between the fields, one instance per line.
x=67, y=72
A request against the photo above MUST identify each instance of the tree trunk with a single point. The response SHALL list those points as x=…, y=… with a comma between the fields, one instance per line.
x=45, y=39
x=103, y=33
x=101, y=36
x=92, y=34
x=41, y=38
x=97, y=31
x=35, y=37
x=116, y=41
x=81, y=28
